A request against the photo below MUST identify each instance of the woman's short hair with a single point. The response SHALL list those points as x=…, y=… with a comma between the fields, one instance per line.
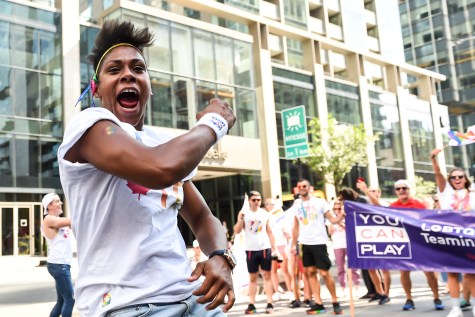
x=348, y=194
x=114, y=32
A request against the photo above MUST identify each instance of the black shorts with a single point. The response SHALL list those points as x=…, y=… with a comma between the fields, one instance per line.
x=316, y=255
x=260, y=258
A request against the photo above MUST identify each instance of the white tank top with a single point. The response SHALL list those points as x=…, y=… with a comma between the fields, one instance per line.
x=59, y=248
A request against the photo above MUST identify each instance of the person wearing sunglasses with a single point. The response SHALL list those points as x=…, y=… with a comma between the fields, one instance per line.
x=310, y=231
x=402, y=189
x=260, y=245
x=454, y=194
x=338, y=235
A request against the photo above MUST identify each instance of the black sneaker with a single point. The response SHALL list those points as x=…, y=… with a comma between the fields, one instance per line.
x=251, y=309
x=367, y=296
x=465, y=305
x=384, y=299
x=316, y=309
x=438, y=304
x=295, y=304
x=409, y=305
x=337, y=309
x=308, y=302
x=269, y=308
x=376, y=297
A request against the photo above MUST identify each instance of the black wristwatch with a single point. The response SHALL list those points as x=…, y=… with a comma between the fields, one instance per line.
x=227, y=254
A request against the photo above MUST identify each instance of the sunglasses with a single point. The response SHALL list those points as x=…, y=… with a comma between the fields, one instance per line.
x=400, y=188
x=255, y=199
x=302, y=186
x=457, y=177
x=336, y=208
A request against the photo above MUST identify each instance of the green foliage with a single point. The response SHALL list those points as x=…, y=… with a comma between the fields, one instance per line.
x=424, y=188
x=336, y=148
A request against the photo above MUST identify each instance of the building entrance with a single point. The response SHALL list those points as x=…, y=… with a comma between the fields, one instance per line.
x=20, y=229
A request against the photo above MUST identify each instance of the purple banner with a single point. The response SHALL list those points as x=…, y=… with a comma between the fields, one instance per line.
x=409, y=239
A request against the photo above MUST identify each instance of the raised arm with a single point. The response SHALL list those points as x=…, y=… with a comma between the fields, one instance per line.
x=439, y=178
x=112, y=150
x=364, y=188
x=239, y=223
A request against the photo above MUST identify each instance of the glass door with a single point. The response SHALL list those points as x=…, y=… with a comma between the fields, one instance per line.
x=7, y=230
x=25, y=226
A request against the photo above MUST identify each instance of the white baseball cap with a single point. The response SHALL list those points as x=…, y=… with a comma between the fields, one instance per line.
x=402, y=182
x=47, y=199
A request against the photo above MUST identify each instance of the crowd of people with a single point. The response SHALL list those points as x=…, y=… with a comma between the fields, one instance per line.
x=305, y=228
x=125, y=186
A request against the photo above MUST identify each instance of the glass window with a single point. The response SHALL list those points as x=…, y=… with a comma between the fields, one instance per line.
x=224, y=59
x=422, y=134
x=204, y=92
x=6, y=150
x=24, y=43
x=49, y=164
x=5, y=52
x=161, y=100
x=243, y=63
x=246, y=125
x=203, y=55
x=26, y=169
x=50, y=52
x=159, y=56
x=295, y=53
x=182, y=87
x=181, y=50
x=295, y=13
x=6, y=79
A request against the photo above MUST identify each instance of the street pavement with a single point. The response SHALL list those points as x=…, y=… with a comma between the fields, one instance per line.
x=27, y=290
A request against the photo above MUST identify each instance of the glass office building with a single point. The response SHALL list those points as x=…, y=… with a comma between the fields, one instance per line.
x=439, y=35
x=337, y=57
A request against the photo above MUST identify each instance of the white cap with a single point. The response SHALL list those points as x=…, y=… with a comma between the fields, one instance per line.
x=402, y=182
x=195, y=244
x=47, y=199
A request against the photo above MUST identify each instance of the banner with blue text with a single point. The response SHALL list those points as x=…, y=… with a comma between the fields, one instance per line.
x=409, y=239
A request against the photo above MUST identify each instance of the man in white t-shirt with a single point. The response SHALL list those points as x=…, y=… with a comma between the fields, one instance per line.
x=309, y=229
x=260, y=245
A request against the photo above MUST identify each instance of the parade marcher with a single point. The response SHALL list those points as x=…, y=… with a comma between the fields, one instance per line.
x=454, y=194
x=126, y=184
x=338, y=236
x=382, y=288
x=57, y=231
x=260, y=245
x=278, y=222
x=310, y=231
x=405, y=200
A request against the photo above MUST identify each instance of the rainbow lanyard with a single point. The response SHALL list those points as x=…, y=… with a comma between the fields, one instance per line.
x=461, y=203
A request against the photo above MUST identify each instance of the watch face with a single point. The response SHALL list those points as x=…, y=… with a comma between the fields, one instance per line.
x=230, y=256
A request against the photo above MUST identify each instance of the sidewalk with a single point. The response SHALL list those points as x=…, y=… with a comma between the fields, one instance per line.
x=28, y=290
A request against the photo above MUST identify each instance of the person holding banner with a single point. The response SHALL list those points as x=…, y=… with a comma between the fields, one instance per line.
x=454, y=194
x=309, y=230
x=338, y=236
x=405, y=200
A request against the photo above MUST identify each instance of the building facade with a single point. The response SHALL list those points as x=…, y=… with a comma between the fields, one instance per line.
x=439, y=35
x=338, y=57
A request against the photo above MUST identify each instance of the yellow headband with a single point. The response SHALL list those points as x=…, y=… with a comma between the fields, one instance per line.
x=111, y=48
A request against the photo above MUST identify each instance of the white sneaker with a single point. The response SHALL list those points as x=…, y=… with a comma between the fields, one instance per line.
x=473, y=311
x=455, y=312
x=276, y=297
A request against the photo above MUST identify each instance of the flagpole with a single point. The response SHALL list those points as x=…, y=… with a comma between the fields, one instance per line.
x=349, y=276
x=446, y=146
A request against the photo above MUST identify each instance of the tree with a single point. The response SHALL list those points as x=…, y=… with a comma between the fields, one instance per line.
x=335, y=148
x=424, y=188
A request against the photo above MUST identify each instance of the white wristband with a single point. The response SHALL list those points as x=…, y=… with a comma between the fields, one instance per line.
x=215, y=122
